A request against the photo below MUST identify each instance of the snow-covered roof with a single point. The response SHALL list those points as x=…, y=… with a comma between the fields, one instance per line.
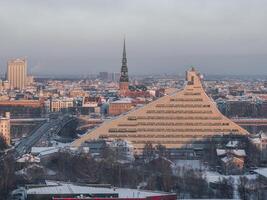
x=227, y=159
x=44, y=153
x=124, y=100
x=28, y=158
x=263, y=135
x=261, y=171
x=232, y=144
x=69, y=188
x=239, y=152
x=220, y=152
x=236, y=152
x=215, y=176
x=38, y=150
x=257, y=139
x=191, y=164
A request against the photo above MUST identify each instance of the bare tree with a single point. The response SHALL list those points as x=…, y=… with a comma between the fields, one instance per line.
x=3, y=144
x=149, y=152
x=7, y=180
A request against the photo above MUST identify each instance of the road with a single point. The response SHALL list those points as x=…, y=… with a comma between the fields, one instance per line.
x=54, y=124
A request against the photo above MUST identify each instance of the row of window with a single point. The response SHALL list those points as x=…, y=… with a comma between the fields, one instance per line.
x=169, y=142
x=192, y=93
x=173, y=118
x=160, y=136
x=186, y=99
x=211, y=130
x=182, y=106
x=181, y=111
x=174, y=124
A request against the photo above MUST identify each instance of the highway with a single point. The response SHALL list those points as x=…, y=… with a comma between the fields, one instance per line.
x=54, y=125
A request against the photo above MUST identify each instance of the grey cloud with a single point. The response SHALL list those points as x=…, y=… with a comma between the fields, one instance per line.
x=79, y=36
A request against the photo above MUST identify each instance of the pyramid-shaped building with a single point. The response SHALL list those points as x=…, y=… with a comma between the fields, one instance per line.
x=184, y=119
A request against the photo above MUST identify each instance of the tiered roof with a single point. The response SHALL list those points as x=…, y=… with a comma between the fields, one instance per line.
x=183, y=119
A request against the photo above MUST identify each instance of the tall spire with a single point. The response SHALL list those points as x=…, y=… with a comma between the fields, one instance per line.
x=124, y=49
x=124, y=69
x=124, y=59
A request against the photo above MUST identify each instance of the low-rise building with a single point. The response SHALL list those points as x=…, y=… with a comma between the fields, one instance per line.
x=260, y=142
x=61, y=191
x=60, y=104
x=5, y=127
x=120, y=106
x=23, y=108
x=232, y=160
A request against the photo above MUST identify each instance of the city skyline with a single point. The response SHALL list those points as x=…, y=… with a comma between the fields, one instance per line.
x=70, y=38
x=100, y=97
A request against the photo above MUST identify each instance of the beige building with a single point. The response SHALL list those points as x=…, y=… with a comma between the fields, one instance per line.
x=78, y=92
x=61, y=104
x=30, y=80
x=5, y=127
x=17, y=73
x=186, y=119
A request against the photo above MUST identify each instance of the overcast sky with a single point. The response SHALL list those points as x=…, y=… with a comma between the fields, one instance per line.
x=80, y=37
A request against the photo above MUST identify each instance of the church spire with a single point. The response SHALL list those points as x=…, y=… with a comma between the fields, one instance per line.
x=124, y=79
x=124, y=49
x=124, y=69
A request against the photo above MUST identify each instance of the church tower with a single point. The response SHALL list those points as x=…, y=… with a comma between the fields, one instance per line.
x=124, y=79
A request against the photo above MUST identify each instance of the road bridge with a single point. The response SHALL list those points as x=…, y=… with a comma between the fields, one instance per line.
x=12, y=120
x=54, y=125
x=89, y=123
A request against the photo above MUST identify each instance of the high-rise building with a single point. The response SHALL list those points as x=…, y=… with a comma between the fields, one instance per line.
x=124, y=79
x=187, y=119
x=5, y=127
x=17, y=73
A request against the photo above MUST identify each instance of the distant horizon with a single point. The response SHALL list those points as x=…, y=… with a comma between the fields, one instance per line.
x=179, y=71
x=181, y=74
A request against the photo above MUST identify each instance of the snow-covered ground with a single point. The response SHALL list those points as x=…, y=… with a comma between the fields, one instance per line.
x=215, y=177
x=211, y=176
x=179, y=165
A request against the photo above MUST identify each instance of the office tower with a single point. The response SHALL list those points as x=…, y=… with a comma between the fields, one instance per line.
x=17, y=73
x=124, y=79
x=187, y=119
x=5, y=127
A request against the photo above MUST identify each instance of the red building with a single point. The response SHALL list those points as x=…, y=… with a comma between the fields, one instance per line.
x=71, y=191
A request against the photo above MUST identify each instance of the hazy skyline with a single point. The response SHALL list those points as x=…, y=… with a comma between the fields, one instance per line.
x=82, y=37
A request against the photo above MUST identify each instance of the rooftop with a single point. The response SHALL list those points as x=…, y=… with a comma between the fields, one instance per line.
x=53, y=187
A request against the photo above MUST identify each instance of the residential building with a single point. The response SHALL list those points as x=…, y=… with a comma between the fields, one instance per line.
x=120, y=106
x=58, y=104
x=5, y=127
